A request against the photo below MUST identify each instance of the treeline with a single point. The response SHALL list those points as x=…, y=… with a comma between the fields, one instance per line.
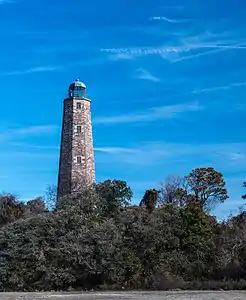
x=95, y=238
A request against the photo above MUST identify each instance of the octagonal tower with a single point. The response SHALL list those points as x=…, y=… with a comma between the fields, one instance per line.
x=76, y=166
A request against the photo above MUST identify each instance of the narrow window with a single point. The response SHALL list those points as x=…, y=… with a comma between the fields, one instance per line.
x=78, y=129
x=78, y=105
x=79, y=160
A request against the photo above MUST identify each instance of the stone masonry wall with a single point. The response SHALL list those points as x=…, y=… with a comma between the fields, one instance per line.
x=65, y=164
x=84, y=172
x=77, y=168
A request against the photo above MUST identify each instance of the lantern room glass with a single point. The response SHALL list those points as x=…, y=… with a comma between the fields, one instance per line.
x=77, y=89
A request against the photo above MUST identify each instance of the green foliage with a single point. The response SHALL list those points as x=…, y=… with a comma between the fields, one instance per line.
x=10, y=209
x=36, y=206
x=150, y=200
x=97, y=240
x=112, y=195
x=208, y=186
x=197, y=240
x=55, y=251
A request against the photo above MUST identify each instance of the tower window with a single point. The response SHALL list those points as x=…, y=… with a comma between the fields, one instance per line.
x=79, y=129
x=78, y=105
x=79, y=159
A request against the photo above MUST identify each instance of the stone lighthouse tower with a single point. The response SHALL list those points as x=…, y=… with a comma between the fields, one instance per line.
x=76, y=166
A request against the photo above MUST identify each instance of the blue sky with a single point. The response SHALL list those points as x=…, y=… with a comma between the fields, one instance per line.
x=167, y=81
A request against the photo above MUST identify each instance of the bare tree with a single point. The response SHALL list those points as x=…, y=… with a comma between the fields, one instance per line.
x=173, y=191
x=51, y=197
x=244, y=185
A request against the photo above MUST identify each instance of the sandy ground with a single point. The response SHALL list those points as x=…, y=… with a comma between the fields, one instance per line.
x=233, y=295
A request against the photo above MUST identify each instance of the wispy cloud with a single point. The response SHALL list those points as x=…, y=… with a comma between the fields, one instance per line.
x=170, y=20
x=121, y=56
x=151, y=114
x=219, y=88
x=31, y=146
x=145, y=75
x=36, y=130
x=27, y=155
x=116, y=150
x=6, y=1
x=218, y=49
x=27, y=131
x=32, y=70
x=227, y=155
x=123, y=53
x=140, y=51
x=236, y=156
x=173, y=149
x=184, y=46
